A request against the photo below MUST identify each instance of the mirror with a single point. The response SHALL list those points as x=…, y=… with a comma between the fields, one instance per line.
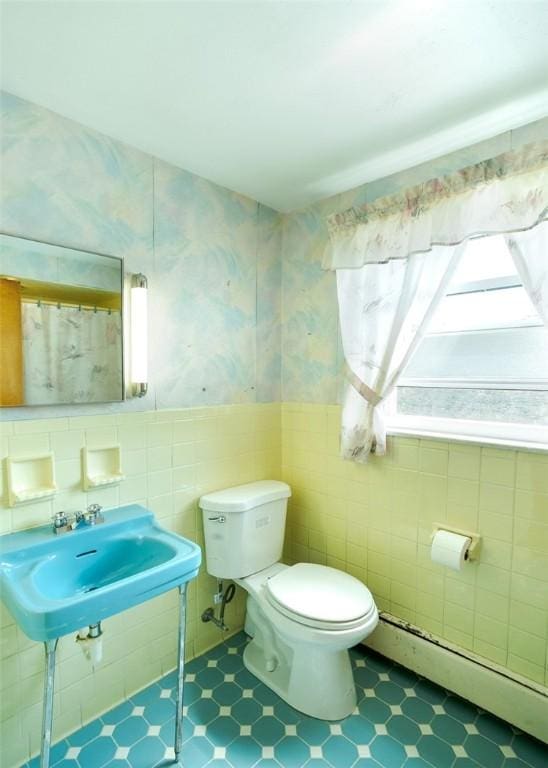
x=61, y=334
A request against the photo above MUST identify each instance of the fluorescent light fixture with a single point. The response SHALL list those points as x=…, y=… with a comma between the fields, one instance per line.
x=139, y=335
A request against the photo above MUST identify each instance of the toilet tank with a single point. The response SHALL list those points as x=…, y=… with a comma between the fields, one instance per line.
x=244, y=528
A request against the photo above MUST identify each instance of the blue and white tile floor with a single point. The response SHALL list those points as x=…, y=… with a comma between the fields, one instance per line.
x=234, y=721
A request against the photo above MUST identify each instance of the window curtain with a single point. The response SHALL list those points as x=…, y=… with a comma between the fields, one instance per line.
x=71, y=355
x=529, y=250
x=394, y=258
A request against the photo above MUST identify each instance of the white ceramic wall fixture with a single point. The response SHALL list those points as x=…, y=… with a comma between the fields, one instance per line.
x=30, y=478
x=101, y=466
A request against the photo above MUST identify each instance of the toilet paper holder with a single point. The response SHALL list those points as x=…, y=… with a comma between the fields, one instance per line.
x=475, y=538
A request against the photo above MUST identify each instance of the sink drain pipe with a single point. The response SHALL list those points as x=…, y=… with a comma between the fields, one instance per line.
x=91, y=642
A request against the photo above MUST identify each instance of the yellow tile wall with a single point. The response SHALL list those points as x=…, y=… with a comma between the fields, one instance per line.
x=374, y=521
x=169, y=458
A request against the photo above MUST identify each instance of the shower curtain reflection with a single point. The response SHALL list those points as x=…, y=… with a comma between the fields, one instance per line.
x=71, y=354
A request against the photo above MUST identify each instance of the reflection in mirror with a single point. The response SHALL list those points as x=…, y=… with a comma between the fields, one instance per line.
x=60, y=325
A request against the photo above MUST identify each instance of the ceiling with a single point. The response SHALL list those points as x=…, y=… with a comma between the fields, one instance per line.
x=287, y=102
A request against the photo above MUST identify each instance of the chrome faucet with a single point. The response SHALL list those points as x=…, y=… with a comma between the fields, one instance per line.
x=63, y=522
x=93, y=515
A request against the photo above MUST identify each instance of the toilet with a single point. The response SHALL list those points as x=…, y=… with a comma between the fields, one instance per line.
x=302, y=618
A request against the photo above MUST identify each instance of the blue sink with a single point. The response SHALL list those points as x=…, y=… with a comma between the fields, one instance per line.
x=56, y=584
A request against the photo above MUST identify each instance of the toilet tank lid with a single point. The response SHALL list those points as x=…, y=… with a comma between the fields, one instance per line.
x=242, y=498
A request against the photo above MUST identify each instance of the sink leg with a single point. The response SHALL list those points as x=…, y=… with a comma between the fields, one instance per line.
x=47, y=716
x=180, y=673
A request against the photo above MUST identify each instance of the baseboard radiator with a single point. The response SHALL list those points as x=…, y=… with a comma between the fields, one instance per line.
x=491, y=687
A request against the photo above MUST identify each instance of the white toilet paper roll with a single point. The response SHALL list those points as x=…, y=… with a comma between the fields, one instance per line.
x=449, y=549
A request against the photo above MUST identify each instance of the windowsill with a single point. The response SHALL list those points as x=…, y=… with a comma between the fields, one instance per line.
x=527, y=437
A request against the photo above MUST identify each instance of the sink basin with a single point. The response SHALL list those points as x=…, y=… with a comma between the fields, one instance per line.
x=56, y=584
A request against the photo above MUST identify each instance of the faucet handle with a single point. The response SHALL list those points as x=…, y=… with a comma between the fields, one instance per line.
x=93, y=515
x=60, y=519
x=64, y=521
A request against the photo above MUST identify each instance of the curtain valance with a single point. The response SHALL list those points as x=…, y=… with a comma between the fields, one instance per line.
x=508, y=193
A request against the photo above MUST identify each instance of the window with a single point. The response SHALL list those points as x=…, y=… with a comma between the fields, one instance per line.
x=484, y=360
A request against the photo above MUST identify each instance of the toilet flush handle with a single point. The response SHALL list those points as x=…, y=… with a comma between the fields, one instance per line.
x=218, y=519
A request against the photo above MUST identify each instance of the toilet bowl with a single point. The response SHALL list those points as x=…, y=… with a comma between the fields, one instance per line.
x=300, y=644
x=302, y=618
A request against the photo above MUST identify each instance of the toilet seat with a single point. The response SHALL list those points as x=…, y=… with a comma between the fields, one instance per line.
x=320, y=597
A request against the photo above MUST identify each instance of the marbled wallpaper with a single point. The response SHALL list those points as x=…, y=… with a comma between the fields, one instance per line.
x=221, y=291
x=212, y=256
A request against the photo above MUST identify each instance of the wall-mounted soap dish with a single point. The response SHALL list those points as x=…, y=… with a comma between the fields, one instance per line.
x=30, y=478
x=101, y=466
